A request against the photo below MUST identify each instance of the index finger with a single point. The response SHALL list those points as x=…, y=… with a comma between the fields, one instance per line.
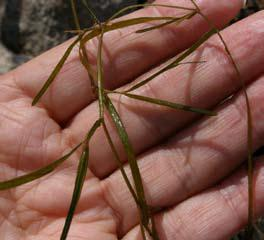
x=123, y=60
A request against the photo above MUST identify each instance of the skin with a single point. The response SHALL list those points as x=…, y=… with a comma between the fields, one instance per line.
x=191, y=165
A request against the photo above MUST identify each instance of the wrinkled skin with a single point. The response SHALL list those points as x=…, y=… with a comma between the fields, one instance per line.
x=189, y=163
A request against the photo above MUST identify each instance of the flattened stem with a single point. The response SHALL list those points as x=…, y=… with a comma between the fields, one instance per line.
x=100, y=75
x=145, y=213
x=120, y=164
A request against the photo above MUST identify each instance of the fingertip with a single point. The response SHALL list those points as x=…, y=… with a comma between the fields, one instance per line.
x=220, y=12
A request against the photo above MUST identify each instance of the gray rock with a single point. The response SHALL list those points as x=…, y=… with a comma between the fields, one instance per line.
x=6, y=60
x=29, y=27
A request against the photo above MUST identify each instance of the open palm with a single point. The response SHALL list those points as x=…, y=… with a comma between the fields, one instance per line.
x=188, y=165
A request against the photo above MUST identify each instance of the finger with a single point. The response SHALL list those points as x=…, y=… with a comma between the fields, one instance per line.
x=215, y=214
x=193, y=160
x=122, y=57
x=202, y=85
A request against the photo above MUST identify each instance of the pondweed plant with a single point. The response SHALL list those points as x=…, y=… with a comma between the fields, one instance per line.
x=135, y=185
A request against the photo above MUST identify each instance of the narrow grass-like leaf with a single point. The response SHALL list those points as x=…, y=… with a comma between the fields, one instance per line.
x=175, y=21
x=81, y=174
x=155, y=235
x=76, y=31
x=82, y=51
x=121, y=24
x=100, y=75
x=93, y=129
x=185, y=63
x=55, y=72
x=136, y=21
x=75, y=15
x=36, y=174
x=84, y=56
x=131, y=160
x=176, y=106
x=79, y=181
x=91, y=12
x=180, y=58
x=85, y=62
x=142, y=229
x=120, y=164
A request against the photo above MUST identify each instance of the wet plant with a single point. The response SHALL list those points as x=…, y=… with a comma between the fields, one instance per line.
x=106, y=106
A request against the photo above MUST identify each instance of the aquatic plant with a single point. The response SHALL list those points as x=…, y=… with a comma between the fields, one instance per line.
x=107, y=107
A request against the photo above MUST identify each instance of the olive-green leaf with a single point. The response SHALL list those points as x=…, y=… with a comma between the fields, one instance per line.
x=131, y=160
x=91, y=12
x=75, y=15
x=36, y=174
x=175, y=62
x=120, y=164
x=96, y=30
x=55, y=71
x=79, y=181
x=177, y=21
x=176, y=106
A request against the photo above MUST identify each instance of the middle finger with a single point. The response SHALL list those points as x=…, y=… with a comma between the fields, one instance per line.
x=193, y=85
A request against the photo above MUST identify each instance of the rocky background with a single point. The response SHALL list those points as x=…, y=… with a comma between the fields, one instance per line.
x=30, y=27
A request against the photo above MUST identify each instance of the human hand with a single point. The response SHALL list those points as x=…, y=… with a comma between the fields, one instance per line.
x=189, y=166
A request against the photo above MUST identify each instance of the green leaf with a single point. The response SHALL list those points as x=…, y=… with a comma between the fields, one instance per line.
x=142, y=229
x=91, y=12
x=75, y=15
x=36, y=174
x=96, y=125
x=85, y=62
x=175, y=20
x=55, y=72
x=100, y=75
x=154, y=232
x=131, y=160
x=80, y=178
x=47, y=169
x=135, y=21
x=176, y=106
x=79, y=181
x=120, y=164
x=180, y=58
x=121, y=24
